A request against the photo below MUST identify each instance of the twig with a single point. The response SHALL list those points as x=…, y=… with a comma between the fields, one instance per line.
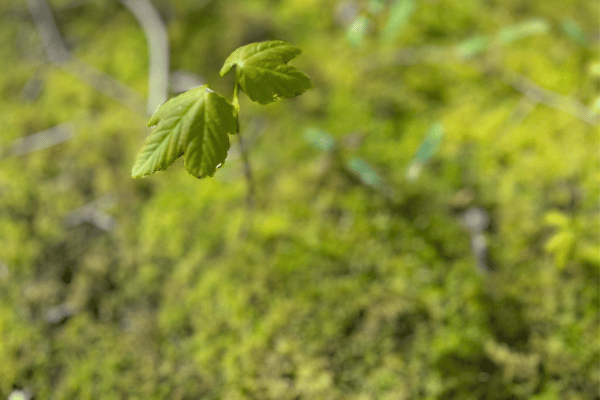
x=181, y=81
x=59, y=55
x=158, y=50
x=435, y=54
x=106, y=84
x=253, y=131
x=247, y=225
x=247, y=173
x=243, y=152
x=53, y=44
x=551, y=99
x=43, y=139
x=477, y=220
x=91, y=213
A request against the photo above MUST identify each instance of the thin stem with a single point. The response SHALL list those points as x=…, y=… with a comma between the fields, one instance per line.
x=236, y=102
x=243, y=152
x=247, y=173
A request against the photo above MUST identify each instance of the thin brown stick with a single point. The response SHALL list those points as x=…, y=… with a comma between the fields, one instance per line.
x=158, y=50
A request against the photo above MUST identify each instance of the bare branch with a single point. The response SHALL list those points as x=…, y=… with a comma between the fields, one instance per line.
x=92, y=214
x=158, y=50
x=43, y=139
x=437, y=54
x=53, y=44
x=551, y=99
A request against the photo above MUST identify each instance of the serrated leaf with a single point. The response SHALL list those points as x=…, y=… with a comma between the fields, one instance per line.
x=263, y=73
x=195, y=125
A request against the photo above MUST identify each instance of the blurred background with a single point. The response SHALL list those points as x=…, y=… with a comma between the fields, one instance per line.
x=425, y=221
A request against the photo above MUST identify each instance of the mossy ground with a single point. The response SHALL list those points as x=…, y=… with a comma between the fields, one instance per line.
x=329, y=290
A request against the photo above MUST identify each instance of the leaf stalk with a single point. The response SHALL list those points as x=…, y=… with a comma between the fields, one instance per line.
x=243, y=151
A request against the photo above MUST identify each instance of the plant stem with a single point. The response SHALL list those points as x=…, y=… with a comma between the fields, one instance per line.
x=236, y=101
x=243, y=152
x=247, y=173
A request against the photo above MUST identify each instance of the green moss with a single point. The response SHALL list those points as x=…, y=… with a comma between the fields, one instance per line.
x=329, y=289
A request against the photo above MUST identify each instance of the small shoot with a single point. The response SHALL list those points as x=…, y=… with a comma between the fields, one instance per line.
x=196, y=124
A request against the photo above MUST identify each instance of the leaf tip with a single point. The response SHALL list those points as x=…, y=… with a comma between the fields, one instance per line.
x=152, y=121
x=225, y=69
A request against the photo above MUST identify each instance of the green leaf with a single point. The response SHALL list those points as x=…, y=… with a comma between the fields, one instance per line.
x=472, y=46
x=399, y=15
x=194, y=124
x=319, y=139
x=522, y=30
x=262, y=71
x=364, y=171
x=375, y=6
x=426, y=150
x=557, y=219
x=594, y=68
x=430, y=144
x=358, y=30
x=595, y=106
x=574, y=31
x=561, y=245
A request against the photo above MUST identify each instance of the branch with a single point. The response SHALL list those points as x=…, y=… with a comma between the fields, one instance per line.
x=247, y=172
x=436, y=54
x=53, y=44
x=91, y=214
x=551, y=99
x=43, y=139
x=476, y=220
x=158, y=50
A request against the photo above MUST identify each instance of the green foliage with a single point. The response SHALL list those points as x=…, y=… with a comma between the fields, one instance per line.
x=319, y=139
x=522, y=30
x=357, y=31
x=195, y=124
x=334, y=291
x=400, y=12
x=472, y=46
x=572, y=29
x=426, y=150
x=263, y=73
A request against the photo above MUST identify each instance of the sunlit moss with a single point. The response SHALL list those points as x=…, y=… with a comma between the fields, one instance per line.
x=330, y=289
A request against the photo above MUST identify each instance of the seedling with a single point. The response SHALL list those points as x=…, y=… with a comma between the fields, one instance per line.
x=196, y=124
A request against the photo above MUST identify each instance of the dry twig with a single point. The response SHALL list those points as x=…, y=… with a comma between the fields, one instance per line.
x=158, y=50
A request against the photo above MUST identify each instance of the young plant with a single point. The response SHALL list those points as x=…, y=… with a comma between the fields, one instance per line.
x=196, y=124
